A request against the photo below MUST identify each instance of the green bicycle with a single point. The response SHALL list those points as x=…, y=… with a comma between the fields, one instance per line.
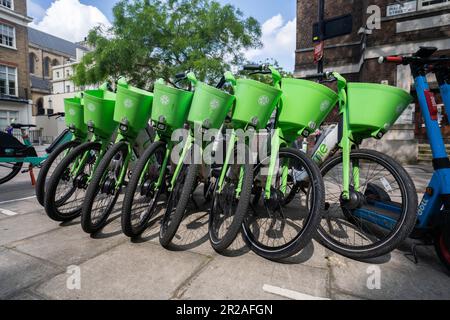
x=74, y=118
x=209, y=108
x=67, y=186
x=255, y=103
x=275, y=227
x=371, y=201
x=148, y=182
x=132, y=112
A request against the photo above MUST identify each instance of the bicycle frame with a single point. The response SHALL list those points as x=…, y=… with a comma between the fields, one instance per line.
x=437, y=196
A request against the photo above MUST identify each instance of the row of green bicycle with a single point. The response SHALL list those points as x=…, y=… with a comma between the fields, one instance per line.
x=276, y=195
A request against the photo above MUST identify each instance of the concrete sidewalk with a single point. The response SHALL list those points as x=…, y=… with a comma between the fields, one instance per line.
x=39, y=259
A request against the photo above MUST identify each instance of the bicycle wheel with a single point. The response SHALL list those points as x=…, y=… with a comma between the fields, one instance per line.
x=103, y=192
x=379, y=217
x=177, y=203
x=49, y=167
x=273, y=230
x=9, y=171
x=228, y=208
x=141, y=198
x=66, y=188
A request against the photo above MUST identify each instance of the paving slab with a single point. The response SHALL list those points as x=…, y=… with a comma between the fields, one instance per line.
x=129, y=271
x=23, y=207
x=400, y=278
x=19, y=271
x=24, y=226
x=244, y=277
x=70, y=245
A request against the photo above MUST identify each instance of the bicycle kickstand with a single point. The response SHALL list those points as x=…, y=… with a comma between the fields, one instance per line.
x=32, y=177
x=413, y=253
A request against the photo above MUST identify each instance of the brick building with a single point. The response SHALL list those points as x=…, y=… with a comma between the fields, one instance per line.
x=14, y=74
x=405, y=26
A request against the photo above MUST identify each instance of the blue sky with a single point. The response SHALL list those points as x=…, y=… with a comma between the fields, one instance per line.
x=276, y=16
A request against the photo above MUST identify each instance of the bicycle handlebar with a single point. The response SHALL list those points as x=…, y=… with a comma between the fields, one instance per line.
x=328, y=76
x=180, y=76
x=410, y=60
x=255, y=67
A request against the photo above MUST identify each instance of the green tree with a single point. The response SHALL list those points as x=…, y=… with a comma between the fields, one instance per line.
x=153, y=39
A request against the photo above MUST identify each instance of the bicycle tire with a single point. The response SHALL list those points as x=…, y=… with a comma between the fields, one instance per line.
x=223, y=243
x=126, y=219
x=14, y=172
x=407, y=221
x=94, y=188
x=50, y=205
x=303, y=238
x=185, y=184
x=44, y=172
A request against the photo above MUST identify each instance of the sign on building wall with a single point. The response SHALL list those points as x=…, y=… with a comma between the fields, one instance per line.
x=406, y=7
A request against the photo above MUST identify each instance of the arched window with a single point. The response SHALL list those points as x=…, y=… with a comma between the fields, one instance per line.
x=40, y=107
x=32, y=63
x=47, y=62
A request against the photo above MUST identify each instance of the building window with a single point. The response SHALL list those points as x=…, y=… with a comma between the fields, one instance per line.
x=428, y=4
x=57, y=74
x=40, y=107
x=32, y=63
x=8, y=81
x=55, y=63
x=47, y=67
x=7, y=35
x=7, y=3
x=7, y=117
x=68, y=88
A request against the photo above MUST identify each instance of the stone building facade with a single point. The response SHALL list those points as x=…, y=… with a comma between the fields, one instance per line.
x=14, y=75
x=405, y=26
x=47, y=53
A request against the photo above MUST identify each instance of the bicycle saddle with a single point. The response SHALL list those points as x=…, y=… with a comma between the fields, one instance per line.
x=21, y=126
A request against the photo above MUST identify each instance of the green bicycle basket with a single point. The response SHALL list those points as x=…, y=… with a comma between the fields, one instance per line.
x=210, y=106
x=133, y=108
x=74, y=116
x=170, y=107
x=255, y=103
x=305, y=105
x=374, y=108
x=99, y=112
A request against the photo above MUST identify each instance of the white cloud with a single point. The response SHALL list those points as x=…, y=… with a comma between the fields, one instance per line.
x=70, y=20
x=35, y=10
x=279, y=42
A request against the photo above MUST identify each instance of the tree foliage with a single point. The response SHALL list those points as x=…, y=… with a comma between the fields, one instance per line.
x=153, y=39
